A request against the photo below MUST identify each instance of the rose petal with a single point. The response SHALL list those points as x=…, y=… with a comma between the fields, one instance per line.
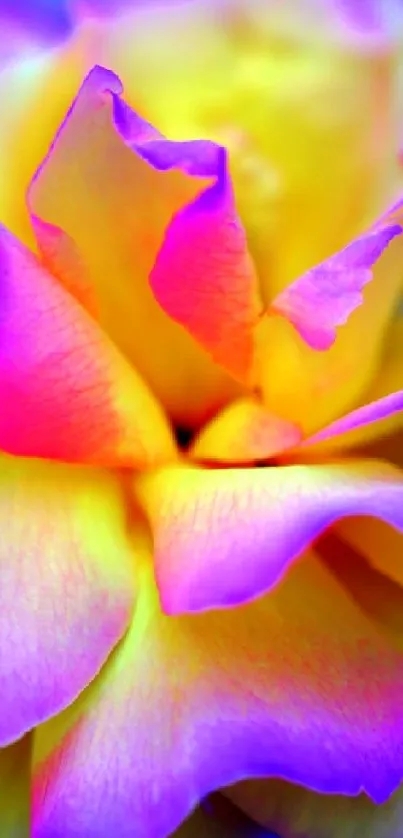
x=363, y=416
x=204, y=277
x=298, y=812
x=67, y=585
x=325, y=296
x=111, y=187
x=15, y=777
x=222, y=537
x=243, y=432
x=298, y=685
x=66, y=392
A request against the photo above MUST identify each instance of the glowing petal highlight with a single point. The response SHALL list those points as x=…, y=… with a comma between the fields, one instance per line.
x=67, y=585
x=300, y=686
x=107, y=191
x=222, y=537
x=243, y=432
x=65, y=391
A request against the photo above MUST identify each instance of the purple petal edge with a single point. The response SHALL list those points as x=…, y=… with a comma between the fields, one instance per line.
x=366, y=415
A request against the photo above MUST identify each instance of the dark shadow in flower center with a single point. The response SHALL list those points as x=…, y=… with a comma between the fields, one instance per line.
x=184, y=437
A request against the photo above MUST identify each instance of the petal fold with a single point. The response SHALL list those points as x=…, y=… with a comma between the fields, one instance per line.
x=222, y=537
x=65, y=390
x=108, y=191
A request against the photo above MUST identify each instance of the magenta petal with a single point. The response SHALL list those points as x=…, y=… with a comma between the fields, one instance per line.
x=324, y=297
x=223, y=537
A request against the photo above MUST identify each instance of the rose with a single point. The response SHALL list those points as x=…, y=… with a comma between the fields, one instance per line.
x=304, y=682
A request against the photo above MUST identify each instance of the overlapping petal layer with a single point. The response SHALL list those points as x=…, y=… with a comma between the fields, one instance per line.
x=65, y=390
x=112, y=185
x=313, y=388
x=300, y=684
x=67, y=585
x=222, y=537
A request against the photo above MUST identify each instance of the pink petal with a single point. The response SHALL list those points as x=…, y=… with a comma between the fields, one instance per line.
x=325, y=296
x=204, y=277
x=67, y=585
x=224, y=536
x=65, y=391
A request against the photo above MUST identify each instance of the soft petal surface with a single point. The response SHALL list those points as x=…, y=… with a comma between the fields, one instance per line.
x=189, y=704
x=299, y=813
x=204, y=277
x=324, y=298
x=112, y=185
x=15, y=775
x=222, y=537
x=243, y=432
x=67, y=585
x=66, y=392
